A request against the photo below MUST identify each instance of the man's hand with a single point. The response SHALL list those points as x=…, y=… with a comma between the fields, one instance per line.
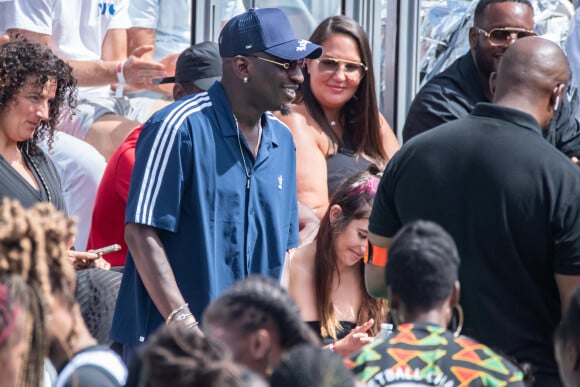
x=139, y=72
x=575, y=160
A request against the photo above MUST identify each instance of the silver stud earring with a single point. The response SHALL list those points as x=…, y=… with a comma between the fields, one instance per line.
x=245, y=79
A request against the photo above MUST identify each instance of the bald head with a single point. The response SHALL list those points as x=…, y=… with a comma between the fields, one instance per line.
x=532, y=76
x=531, y=65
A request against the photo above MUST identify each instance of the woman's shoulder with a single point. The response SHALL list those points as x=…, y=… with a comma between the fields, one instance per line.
x=303, y=258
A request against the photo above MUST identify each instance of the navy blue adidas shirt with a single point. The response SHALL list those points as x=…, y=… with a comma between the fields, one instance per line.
x=189, y=182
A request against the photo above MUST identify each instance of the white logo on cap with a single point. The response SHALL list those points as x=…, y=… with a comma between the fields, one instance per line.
x=248, y=46
x=302, y=45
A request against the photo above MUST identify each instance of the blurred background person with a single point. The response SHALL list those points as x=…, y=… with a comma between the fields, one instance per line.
x=33, y=244
x=257, y=321
x=180, y=357
x=309, y=366
x=567, y=343
x=326, y=277
x=335, y=121
x=16, y=325
x=423, y=291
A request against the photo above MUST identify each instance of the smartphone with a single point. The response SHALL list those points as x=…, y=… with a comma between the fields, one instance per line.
x=107, y=249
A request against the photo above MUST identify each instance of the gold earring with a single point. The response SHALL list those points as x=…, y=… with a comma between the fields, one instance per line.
x=459, y=327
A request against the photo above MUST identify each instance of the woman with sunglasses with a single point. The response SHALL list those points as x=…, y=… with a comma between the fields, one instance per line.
x=335, y=121
x=325, y=277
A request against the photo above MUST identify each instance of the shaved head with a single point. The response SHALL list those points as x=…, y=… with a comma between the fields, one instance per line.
x=532, y=76
x=531, y=66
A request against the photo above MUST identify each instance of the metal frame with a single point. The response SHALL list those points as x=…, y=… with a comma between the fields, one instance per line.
x=400, y=70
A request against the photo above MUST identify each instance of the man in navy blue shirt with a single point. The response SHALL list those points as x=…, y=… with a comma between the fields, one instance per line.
x=213, y=192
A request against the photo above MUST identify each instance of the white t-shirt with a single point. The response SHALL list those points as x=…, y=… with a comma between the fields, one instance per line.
x=172, y=21
x=77, y=27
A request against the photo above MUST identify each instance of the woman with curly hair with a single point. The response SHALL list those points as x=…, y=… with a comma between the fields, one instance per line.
x=325, y=277
x=34, y=86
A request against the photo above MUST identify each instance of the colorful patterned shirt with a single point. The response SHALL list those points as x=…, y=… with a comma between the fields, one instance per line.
x=423, y=354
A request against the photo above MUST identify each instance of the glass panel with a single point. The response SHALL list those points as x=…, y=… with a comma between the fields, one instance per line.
x=438, y=31
x=304, y=15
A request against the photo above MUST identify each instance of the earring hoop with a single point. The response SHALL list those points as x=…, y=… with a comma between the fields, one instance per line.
x=459, y=327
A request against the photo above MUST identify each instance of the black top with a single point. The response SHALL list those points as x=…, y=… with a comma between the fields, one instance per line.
x=347, y=326
x=510, y=200
x=342, y=165
x=454, y=93
x=14, y=186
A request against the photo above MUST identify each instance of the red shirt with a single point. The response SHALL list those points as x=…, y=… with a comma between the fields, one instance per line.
x=108, y=225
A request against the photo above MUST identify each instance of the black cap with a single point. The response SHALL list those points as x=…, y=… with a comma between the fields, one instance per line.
x=199, y=64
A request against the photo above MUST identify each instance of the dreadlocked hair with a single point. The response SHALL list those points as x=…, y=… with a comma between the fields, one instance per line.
x=178, y=356
x=33, y=244
x=255, y=301
x=355, y=197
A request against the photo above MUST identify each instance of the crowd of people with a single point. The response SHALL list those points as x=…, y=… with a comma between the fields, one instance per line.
x=268, y=221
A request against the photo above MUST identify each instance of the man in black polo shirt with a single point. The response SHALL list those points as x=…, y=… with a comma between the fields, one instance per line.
x=510, y=200
x=455, y=92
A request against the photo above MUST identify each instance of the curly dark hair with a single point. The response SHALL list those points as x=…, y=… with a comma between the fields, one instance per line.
x=22, y=62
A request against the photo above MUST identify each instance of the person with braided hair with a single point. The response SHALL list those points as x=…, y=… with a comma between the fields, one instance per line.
x=33, y=244
x=180, y=357
x=15, y=329
x=258, y=321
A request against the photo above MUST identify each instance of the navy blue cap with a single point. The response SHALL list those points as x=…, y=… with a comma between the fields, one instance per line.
x=267, y=30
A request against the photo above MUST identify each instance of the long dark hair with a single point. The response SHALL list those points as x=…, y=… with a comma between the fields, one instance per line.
x=355, y=197
x=361, y=114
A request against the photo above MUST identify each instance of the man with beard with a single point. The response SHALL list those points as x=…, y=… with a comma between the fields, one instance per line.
x=454, y=93
x=213, y=191
x=508, y=198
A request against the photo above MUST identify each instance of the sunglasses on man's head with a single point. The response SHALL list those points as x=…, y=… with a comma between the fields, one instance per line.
x=502, y=36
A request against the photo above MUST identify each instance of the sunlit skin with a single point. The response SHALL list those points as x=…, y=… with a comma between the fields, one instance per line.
x=335, y=91
x=282, y=83
x=351, y=244
x=29, y=108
